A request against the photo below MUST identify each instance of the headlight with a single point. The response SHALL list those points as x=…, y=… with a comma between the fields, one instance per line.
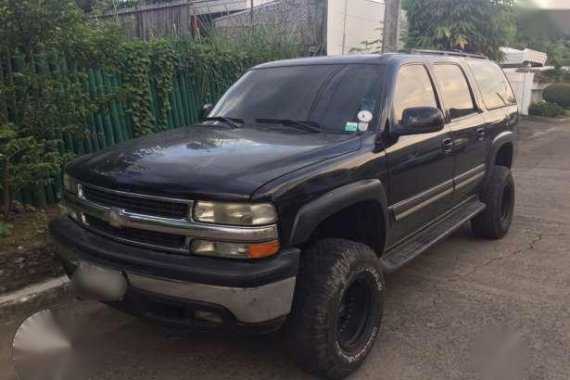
x=235, y=250
x=69, y=184
x=239, y=214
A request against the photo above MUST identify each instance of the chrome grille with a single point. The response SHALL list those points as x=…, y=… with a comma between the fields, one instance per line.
x=155, y=207
x=152, y=221
x=156, y=239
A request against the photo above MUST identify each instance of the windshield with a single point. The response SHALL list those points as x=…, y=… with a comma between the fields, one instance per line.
x=330, y=96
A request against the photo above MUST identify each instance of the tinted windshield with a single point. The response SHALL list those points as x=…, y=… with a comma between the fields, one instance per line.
x=330, y=95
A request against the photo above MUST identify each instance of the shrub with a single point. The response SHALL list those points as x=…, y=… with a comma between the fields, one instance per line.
x=65, y=77
x=38, y=104
x=546, y=109
x=558, y=93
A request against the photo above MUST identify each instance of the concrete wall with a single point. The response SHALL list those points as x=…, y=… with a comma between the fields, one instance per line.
x=522, y=84
x=304, y=19
x=351, y=22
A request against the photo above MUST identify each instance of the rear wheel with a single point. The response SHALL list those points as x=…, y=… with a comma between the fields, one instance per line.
x=499, y=196
x=337, y=308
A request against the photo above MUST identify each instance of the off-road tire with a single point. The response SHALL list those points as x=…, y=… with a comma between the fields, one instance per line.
x=322, y=317
x=499, y=196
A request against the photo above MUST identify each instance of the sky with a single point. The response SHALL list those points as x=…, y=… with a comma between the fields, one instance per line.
x=552, y=4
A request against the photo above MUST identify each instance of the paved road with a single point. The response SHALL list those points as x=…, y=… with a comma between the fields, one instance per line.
x=462, y=297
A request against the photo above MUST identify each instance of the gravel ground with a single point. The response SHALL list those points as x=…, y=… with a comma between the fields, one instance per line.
x=464, y=305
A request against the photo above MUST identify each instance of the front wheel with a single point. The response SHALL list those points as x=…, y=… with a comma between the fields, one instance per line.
x=499, y=196
x=337, y=308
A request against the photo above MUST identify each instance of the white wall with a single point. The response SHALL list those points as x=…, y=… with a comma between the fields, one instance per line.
x=522, y=84
x=350, y=22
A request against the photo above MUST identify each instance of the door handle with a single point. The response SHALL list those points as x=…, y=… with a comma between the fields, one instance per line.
x=447, y=145
x=481, y=133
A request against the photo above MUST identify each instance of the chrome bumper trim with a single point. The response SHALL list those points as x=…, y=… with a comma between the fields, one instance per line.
x=248, y=305
x=185, y=227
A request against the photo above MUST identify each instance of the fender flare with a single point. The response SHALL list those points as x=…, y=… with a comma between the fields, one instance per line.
x=498, y=142
x=315, y=212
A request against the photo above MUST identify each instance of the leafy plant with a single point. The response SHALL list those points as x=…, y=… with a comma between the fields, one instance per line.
x=4, y=230
x=39, y=105
x=163, y=63
x=138, y=91
x=535, y=30
x=546, y=109
x=478, y=26
x=558, y=93
x=49, y=92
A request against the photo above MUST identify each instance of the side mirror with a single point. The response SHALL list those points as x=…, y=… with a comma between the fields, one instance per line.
x=417, y=120
x=206, y=109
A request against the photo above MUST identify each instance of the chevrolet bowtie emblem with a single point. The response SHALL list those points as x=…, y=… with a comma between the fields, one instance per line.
x=115, y=217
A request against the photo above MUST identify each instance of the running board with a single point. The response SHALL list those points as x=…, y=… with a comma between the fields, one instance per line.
x=405, y=252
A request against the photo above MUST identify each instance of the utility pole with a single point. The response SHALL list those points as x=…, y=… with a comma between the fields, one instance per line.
x=251, y=14
x=391, y=30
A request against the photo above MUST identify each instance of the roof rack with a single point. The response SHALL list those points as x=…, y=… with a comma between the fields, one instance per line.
x=456, y=53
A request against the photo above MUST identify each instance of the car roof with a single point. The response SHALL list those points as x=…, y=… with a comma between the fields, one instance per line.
x=387, y=58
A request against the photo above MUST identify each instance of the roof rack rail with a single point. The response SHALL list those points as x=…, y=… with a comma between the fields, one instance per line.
x=456, y=53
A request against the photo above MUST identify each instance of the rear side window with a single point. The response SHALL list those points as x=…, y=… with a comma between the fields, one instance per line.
x=493, y=84
x=413, y=89
x=454, y=90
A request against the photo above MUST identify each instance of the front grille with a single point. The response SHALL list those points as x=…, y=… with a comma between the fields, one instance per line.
x=138, y=236
x=139, y=205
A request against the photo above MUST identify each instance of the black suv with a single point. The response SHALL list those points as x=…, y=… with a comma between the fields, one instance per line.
x=285, y=205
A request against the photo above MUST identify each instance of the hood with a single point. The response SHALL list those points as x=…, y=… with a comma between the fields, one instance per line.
x=208, y=162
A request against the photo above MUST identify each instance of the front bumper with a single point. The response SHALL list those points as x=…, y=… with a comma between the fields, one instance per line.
x=180, y=289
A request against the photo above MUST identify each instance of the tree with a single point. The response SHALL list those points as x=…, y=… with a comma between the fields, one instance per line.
x=535, y=30
x=43, y=99
x=477, y=26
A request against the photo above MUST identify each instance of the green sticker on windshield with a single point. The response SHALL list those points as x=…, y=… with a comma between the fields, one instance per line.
x=351, y=126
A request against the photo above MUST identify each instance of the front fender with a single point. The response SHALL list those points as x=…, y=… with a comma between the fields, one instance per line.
x=314, y=213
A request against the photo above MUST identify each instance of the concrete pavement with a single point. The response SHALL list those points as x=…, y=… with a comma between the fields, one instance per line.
x=446, y=315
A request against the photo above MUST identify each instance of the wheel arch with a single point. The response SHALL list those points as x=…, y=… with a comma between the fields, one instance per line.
x=502, y=151
x=365, y=205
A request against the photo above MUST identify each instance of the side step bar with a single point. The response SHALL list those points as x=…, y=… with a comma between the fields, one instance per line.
x=411, y=248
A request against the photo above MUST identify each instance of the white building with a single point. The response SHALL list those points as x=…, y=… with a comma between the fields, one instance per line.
x=339, y=26
x=518, y=65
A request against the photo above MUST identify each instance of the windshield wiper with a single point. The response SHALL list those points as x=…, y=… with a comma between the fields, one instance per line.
x=306, y=125
x=230, y=122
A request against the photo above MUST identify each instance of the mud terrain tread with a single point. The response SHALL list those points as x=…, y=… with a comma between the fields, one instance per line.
x=322, y=270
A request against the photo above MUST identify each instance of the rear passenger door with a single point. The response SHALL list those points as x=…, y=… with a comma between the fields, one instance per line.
x=467, y=125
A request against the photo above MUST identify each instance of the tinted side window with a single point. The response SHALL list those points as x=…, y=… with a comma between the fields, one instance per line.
x=454, y=90
x=353, y=89
x=493, y=84
x=413, y=89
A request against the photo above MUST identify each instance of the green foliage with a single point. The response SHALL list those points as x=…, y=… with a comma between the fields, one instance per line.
x=4, y=229
x=163, y=60
x=478, y=26
x=38, y=104
x=215, y=61
x=138, y=91
x=546, y=109
x=63, y=76
x=27, y=159
x=557, y=75
x=535, y=30
x=558, y=93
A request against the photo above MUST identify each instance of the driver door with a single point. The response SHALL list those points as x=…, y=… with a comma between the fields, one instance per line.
x=421, y=166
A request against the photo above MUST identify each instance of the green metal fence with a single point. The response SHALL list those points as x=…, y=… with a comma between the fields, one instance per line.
x=113, y=125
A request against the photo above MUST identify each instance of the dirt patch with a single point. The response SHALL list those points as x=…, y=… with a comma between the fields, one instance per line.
x=26, y=256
